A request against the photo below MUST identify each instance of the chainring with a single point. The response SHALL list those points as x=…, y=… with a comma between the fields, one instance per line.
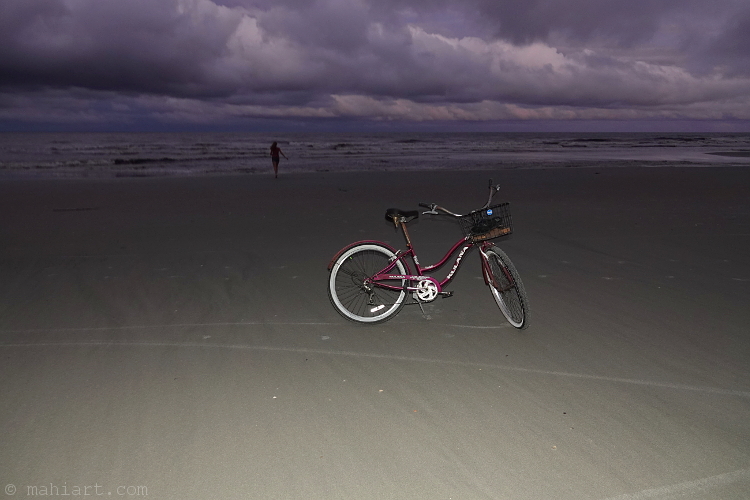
x=427, y=290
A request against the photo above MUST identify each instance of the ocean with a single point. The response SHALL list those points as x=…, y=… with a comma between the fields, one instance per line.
x=123, y=155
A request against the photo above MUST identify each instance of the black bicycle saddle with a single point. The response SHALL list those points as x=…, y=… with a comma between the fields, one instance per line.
x=408, y=215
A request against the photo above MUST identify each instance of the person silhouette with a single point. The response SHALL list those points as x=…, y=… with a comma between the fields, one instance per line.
x=275, y=152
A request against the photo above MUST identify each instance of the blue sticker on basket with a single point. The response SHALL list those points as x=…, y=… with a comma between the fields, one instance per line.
x=489, y=212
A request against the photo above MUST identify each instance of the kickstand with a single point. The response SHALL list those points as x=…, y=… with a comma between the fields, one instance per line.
x=420, y=306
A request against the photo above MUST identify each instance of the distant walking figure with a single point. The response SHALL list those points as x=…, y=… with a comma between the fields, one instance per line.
x=275, y=152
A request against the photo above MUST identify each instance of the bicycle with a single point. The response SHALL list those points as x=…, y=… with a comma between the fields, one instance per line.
x=369, y=280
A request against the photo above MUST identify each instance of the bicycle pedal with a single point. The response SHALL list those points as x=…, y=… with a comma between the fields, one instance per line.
x=445, y=295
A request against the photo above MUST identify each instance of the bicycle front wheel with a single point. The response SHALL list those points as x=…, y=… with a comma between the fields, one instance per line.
x=507, y=288
x=352, y=292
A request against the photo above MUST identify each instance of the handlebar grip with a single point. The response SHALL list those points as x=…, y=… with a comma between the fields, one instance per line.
x=425, y=205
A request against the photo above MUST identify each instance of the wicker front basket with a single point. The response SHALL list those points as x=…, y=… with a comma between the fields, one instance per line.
x=488, y=223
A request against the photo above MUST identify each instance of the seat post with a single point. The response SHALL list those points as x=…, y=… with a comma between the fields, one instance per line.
x=406, y=233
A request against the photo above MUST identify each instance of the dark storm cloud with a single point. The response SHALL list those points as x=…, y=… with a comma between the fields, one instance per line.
x=139, y=45
x=731, y=49
x=208, y=60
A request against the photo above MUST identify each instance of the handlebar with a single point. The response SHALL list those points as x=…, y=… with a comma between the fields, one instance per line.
x=433, y=208
x=493, y=190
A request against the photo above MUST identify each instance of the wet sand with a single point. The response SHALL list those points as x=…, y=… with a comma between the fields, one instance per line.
x=175, y=335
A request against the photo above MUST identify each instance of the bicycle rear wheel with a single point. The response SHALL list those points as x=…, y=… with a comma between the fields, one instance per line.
x=354, y=295
x=507, y=288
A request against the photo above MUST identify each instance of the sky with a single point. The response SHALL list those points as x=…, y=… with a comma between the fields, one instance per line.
x=432, y=65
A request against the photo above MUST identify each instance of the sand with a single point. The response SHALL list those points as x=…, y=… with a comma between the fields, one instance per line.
x=172, y=338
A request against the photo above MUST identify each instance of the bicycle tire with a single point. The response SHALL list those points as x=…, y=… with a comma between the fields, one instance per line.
x=356, y=300
x=512, y=300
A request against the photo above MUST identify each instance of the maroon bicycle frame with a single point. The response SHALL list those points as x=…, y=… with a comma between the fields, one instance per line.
x=461, y=246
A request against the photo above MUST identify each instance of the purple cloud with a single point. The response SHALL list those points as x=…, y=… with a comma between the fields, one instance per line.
x=204, y=61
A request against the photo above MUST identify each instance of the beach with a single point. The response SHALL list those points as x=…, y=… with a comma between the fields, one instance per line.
x=172, y=338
